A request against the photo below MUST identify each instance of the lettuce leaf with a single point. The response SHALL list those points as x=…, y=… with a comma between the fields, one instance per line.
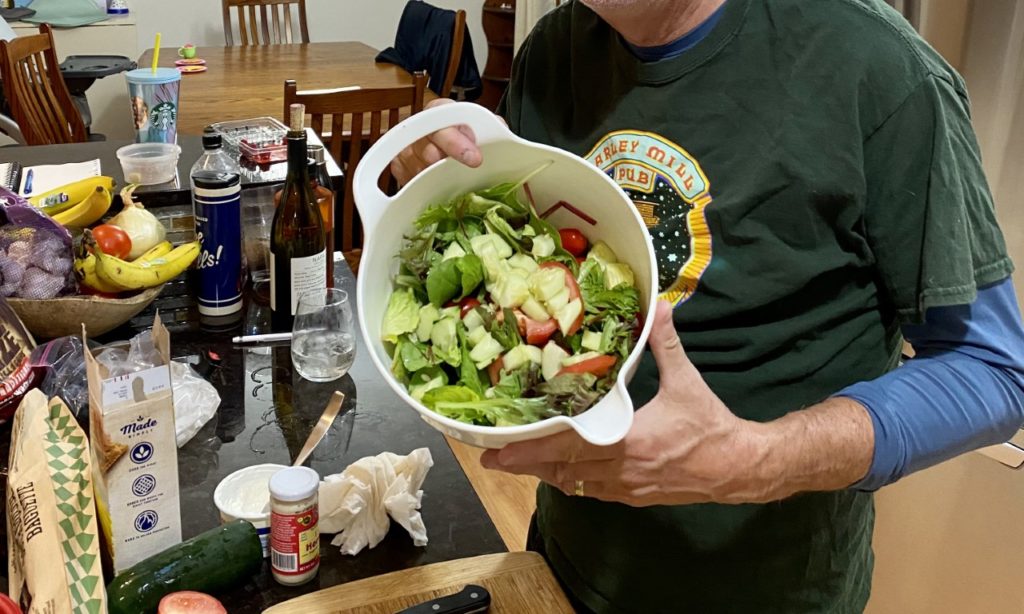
x=402, y=315
x=454, y=278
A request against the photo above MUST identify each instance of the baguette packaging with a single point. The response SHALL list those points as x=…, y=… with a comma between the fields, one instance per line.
x=135, y=457
x=53, y=543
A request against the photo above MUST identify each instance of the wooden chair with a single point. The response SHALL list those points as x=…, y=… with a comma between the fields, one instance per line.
x=38, y=97
x=458, y=40
x=265, y=22
x=340, y=117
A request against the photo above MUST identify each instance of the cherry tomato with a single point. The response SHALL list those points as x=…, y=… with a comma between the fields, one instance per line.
x=574, y=292
x=190, y=602
x=112, y=240
x=580, y=260
x=598, y=366
x=466, y=305
x=573, y=241
x=494, y=371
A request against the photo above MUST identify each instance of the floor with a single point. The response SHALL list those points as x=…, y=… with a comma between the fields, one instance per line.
x=509, y=499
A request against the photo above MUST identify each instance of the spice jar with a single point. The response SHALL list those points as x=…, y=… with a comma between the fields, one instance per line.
x=294, y=532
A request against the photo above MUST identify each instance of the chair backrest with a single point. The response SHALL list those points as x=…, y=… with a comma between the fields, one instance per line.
x=458, y=39
x=36, y=92
x=349, y=121
x=266, y=22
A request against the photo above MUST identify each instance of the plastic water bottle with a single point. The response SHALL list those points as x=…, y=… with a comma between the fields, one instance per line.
x=215, y=157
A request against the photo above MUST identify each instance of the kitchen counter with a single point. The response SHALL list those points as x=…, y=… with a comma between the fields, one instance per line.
x=265, y=415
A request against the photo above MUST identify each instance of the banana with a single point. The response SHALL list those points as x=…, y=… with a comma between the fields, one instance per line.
x=85, y=270
x=67, y=196
x=160, y=249
x=87, y=212
x=138, y=275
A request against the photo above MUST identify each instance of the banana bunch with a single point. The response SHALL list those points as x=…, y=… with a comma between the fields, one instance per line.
x=106, y=273
x=77, y=204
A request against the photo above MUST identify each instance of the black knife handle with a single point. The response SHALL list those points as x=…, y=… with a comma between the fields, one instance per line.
x=471, y=600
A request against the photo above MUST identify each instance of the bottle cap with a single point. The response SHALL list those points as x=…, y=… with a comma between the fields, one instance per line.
x=212, y=139
x=316, y=152
x=294, y=484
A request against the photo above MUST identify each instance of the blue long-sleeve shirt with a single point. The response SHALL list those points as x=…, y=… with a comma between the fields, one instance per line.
x=964, y=388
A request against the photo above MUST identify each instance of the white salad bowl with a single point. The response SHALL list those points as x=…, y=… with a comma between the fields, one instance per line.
x=506, y=158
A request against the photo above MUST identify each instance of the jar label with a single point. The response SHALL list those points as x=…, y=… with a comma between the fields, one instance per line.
x=295, y=542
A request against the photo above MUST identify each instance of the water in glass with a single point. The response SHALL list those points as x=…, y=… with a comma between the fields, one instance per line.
x=323, y=337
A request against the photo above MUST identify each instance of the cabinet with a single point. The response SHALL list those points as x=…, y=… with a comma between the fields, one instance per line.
x=499, y=21
x=108, y=97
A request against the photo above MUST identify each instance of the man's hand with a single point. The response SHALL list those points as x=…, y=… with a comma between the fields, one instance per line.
x=685, y=445
x=458, y=143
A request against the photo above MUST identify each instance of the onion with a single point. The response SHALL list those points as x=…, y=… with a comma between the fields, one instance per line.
x=142, y=226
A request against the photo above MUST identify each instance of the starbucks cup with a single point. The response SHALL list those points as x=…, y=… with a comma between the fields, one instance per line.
x=154, y=104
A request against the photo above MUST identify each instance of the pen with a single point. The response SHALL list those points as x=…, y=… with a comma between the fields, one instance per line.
x=268, y=338
x=28, y=182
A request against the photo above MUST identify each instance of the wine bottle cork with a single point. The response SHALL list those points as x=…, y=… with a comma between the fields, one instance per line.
x=298, y=117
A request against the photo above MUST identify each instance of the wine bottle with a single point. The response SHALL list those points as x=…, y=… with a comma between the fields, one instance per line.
x=298, y=251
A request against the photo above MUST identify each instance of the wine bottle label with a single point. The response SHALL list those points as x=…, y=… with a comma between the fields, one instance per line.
x=308, y=274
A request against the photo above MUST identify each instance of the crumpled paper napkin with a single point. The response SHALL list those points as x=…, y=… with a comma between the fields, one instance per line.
x=356, y=503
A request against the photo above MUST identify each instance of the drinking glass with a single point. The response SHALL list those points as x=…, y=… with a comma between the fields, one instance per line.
x=323, y=337
x=257, y=219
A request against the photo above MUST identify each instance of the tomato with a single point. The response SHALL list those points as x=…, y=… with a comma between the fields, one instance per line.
x=573, y=241
x=466, y=305
x=7, y=605
x=190, y=602
x=574, y=292
x=494, y=371
x=598, y=366
x=538, y=333
x=112, y=240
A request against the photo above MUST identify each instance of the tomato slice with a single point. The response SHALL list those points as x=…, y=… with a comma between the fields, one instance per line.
x=190, y=602
x=538, y=333
x=494, y=371
x=598, y=366
x=573, y=241
x=466, y=305
x=574, y=292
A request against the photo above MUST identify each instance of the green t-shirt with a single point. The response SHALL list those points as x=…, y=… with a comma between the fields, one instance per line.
x=810, y=178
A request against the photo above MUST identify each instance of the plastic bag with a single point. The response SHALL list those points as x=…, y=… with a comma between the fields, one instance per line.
x=195, y=399
x=63, y=368
x=36, y=253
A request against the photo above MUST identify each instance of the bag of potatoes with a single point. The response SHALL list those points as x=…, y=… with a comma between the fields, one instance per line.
x=53, y=546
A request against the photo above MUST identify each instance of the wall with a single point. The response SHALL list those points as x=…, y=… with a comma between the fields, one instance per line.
x=369, y=21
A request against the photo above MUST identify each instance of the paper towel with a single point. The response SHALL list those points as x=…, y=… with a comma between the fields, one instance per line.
x=356, y=503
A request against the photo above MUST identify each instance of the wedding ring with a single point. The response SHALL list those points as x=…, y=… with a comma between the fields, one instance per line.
x=579, y=488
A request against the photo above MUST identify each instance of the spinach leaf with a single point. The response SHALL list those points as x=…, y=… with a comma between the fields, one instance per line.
x=454, y=278
x=415, y=356
x=469, y=376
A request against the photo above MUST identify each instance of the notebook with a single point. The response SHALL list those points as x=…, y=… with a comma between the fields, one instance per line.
x=34, y=180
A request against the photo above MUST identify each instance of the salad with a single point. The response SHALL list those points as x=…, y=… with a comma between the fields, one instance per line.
x=497, y=318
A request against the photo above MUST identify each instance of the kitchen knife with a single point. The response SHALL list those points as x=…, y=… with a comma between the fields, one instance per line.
x=472, y=600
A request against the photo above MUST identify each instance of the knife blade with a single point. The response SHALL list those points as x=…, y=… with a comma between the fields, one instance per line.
x=471, y=600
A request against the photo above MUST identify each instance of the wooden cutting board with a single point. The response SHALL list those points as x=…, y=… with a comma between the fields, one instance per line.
x=518, y=582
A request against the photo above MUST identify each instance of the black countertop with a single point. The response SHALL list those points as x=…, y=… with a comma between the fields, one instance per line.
x=265, y=415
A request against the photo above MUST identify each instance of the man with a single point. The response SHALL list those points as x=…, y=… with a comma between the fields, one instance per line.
x=814, y=191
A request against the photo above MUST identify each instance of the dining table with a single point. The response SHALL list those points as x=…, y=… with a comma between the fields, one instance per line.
x=267, y=410
x=247, y=82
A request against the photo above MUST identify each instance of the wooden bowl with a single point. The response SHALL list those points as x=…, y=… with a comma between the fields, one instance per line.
x=65, y=315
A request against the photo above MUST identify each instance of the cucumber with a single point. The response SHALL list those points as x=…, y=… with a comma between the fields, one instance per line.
x=209, y=562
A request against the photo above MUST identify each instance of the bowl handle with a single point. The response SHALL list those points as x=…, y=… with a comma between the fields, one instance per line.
x=370, y=201
x=609, y=425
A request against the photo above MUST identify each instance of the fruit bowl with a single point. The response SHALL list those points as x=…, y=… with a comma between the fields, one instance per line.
x=506, y=158
x=65, y=315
